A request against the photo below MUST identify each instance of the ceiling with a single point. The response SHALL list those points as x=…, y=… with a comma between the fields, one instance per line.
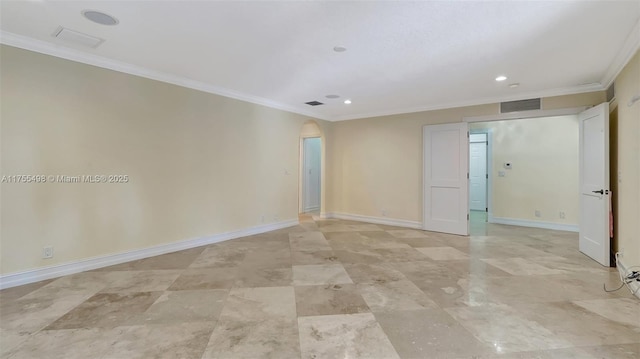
x=401, y=56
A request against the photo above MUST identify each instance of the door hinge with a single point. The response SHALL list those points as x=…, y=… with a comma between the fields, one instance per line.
x=486, y=209
x=467, y=175
x=467, y=134
x=467, y=216
x=487, y=175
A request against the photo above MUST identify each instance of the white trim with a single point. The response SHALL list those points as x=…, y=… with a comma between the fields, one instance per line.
x=631, y=45
x=622, y=269
x=47, y=48
x=376, y=220
x=525, y=114
x=484, y=101
x=534, y=224
x=36, y=275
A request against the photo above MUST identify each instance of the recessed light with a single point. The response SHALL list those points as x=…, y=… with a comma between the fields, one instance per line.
x=514, y=85
x=339, y=49
x=501, y=78
x=100, y=18
x=332, y=96
x=347, y=102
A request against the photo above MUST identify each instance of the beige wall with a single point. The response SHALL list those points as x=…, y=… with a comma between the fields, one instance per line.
x=377, y=162
x=627, y=127
x=201, y=164
x=544, y=174
x=310, y=129
x=198, y=164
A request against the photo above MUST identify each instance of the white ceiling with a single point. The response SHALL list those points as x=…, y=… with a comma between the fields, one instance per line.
x=401, y=57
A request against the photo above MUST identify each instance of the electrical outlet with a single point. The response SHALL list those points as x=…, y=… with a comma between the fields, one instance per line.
x=562, y=215
x=537, y=213
x=384, y=212
x=262, y=219
x=47, y=252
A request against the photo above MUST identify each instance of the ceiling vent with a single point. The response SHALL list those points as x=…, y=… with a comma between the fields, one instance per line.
x=611, y=92
x=77, y=38
x=314, y=103
x=521, y=105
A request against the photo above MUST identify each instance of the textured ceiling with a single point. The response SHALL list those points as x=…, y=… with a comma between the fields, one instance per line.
x=401, y=56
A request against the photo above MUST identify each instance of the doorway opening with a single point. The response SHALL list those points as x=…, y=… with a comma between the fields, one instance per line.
x=478, y=175
x=311, y=170
x=533, y=167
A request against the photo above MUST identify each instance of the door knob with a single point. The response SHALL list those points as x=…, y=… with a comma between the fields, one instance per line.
x=600, y=191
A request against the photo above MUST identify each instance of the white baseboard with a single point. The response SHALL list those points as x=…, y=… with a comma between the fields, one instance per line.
x=36, y=275
x=635, y=285
x=375, y=220
x=534, y=224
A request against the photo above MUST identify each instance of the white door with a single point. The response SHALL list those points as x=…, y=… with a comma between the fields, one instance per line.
x=478, y=171
x=446, y=206
x=594, y=183
x=311, y=174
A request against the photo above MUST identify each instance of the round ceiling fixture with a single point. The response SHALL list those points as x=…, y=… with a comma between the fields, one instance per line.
x=514, y=85
x=501, y=78
x=332, y=96
x=100, y=18
x=347, y=102
x=339, y=49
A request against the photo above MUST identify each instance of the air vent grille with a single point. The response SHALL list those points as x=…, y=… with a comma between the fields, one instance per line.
x=77, y=38
x=521, y=105
x=611, y=92
x=314, y=103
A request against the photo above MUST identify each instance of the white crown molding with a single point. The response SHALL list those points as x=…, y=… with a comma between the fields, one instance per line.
x=47, y=48
x=376, y=220
x=534, y=224
x=483, y=101
x=630, y=47
x=36, y=275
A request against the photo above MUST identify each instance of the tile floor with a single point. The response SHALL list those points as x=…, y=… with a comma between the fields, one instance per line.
x=335, y=289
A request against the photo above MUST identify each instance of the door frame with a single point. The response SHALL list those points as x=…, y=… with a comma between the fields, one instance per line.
x=516, y=116
x=489, y=133
x=301, y=175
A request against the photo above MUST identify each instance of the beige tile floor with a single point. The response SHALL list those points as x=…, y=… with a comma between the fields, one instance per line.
x=335, y=289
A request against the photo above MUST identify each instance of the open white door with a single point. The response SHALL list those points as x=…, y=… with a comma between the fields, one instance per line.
x=446, y=154
x=594, y=183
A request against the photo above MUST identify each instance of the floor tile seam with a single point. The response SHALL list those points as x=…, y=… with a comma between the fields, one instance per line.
x=213, y=329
